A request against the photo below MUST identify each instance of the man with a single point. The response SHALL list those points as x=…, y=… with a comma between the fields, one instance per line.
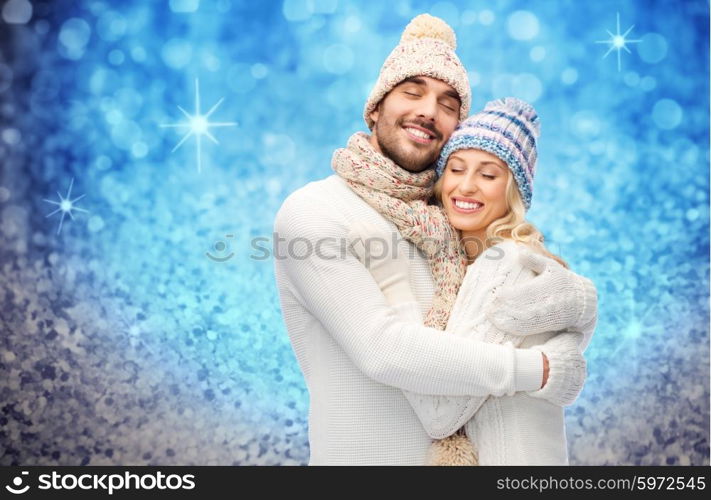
x=358, y=358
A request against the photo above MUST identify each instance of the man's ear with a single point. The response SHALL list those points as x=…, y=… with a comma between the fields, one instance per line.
x=375, y=113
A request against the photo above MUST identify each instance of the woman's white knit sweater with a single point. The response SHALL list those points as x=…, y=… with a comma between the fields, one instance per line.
x=518, y=429
x=357, y=354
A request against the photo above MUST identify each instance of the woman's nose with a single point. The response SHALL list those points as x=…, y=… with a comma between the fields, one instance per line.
x=468, y=184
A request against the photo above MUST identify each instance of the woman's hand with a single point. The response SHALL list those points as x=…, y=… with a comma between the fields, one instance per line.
x=556, y=299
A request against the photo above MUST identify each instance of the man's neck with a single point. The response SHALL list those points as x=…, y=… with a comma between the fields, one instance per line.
x=374, y=142
x=376, y=147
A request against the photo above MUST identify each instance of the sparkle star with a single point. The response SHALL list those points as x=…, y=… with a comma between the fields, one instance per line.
x=198, y=125
x=618, y=42
x=66, y=205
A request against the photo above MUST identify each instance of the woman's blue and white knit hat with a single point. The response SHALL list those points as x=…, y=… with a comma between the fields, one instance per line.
x=507, y=128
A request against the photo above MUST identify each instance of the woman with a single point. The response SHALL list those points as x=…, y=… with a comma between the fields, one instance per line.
x=476, y=238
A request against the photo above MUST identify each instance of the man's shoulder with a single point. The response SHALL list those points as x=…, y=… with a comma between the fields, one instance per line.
x=312, y=204
x=315, y=193
x=306, y=197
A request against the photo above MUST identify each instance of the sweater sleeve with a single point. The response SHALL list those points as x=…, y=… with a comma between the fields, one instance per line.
x=443, y=415
x=568, y=368
x=336, y=289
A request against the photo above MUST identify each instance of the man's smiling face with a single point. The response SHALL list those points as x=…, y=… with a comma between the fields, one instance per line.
x=414, y=120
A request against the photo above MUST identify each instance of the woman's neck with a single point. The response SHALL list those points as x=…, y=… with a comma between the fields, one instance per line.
x=475, y=243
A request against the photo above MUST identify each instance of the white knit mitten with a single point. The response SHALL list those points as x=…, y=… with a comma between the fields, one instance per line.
x=388, y=265
x=568, y=369
x=556, y=299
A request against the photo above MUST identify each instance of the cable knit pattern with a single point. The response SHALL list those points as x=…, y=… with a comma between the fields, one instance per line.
x=516, y=428
x=356, y=353
x=513, y=429
x=570, y=369
x=514, y=310
x=536, y=417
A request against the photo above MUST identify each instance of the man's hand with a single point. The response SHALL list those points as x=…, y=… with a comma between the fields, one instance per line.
x=546, y=369
x=567, y=369
x=556, y=299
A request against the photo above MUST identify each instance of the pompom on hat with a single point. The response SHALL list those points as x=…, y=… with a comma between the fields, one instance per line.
x=426, y=48
x=507, y=128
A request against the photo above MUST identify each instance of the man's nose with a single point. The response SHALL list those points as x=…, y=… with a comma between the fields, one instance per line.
x=427, y=107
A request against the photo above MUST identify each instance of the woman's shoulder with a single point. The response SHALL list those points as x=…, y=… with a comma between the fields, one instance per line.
x=504, y=252
x=498, y=259
x=495, y=266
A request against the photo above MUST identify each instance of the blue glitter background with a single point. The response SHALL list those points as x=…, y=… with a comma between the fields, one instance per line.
x=125, y=340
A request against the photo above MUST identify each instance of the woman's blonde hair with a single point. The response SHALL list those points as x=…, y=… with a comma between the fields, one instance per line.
x=513, y=225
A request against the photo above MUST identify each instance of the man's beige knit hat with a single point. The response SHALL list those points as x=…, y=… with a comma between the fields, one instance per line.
x=426, y=48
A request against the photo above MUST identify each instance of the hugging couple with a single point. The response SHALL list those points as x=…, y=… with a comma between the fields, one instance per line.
x=463, y=344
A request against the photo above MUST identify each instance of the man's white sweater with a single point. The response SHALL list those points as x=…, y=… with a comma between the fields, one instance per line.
x=356, y=353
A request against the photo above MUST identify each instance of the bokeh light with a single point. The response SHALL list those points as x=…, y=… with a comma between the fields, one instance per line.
x=148, y=331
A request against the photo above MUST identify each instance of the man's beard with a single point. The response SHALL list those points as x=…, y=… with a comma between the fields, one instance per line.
x=392, y=148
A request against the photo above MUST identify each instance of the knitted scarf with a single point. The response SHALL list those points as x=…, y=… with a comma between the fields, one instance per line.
x=401, y=197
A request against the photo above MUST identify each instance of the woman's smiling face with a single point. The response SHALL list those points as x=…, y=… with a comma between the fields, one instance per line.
x=474, y=191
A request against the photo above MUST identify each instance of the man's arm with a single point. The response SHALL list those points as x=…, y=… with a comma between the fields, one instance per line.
x=335, y=287
x=443, y=415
